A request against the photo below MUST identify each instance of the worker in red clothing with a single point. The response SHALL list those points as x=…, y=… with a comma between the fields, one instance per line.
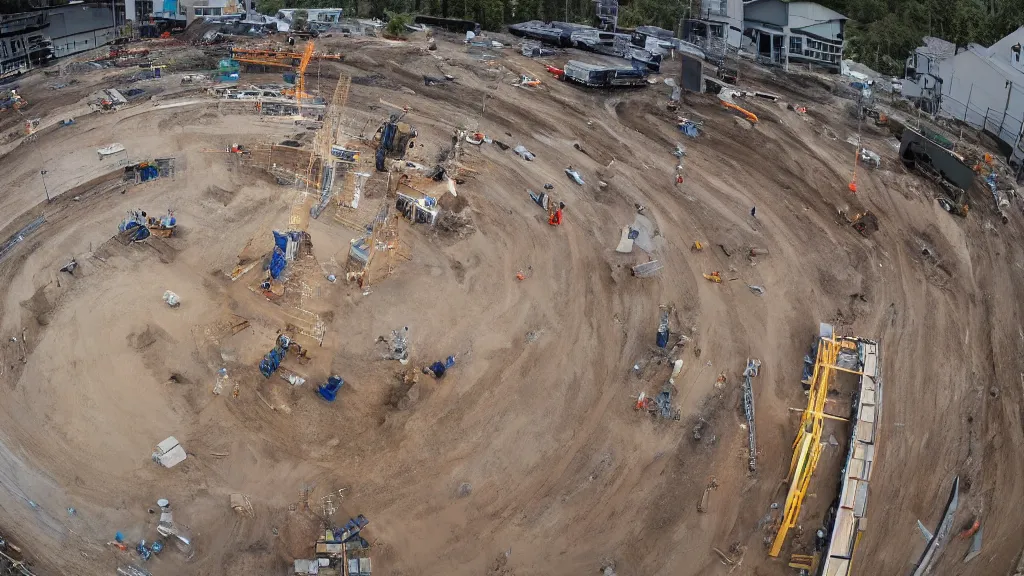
x=556, y=217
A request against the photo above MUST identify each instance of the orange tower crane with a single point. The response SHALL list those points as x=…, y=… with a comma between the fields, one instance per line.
x=284, y=59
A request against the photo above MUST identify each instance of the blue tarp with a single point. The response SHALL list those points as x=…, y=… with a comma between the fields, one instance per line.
x=387, y=137
x=439, y=368
x=281, y=240
x=689, y=128
x=148, y=173
x=277, y=263
x=137, y=231
x=272, y=361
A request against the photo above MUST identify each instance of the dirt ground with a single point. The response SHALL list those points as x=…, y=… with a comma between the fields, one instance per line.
x=527, y=457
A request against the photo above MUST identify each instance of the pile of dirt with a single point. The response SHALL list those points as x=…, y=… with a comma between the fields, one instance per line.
x=220, y=195
x=144, y=337
x=41, y=304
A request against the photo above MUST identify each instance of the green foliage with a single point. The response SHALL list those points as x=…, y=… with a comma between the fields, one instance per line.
x=882, y=33
x=269, y=7
x=396, y=23
x=652, y=13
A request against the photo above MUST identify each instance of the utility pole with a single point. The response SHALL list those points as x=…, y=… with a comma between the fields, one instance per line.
x=42, y=174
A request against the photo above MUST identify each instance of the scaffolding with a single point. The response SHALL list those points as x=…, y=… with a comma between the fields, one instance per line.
x=807, y=447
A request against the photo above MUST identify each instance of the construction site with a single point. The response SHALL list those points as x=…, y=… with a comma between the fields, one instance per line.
x=459, y=304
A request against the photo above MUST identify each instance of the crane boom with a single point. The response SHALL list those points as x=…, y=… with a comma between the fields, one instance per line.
x=300, y=74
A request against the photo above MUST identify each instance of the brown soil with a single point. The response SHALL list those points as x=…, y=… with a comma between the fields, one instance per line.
x=537, y=417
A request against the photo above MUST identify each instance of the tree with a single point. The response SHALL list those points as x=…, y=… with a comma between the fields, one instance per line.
x=269, y=7
x=396, y=24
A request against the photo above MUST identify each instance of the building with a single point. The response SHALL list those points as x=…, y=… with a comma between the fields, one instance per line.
x=83, y=26
x=322, y=15
x=24, y=42
x=724, y=19
x=982, y=87
x=923, y=78
x=32, y=38
x=802, y=32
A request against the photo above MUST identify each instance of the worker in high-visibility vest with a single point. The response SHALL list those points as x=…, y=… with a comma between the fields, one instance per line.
x=556, y=217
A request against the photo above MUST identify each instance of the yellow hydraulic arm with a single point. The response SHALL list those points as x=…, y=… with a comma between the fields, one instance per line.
x=807, y=447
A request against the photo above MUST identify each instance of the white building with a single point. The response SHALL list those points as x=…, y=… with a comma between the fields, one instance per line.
x=923, y=78
x=185, y=11
x=326, y=15
x=983, y=87
x=802, y=32
x=725, y=19
x=81, y=26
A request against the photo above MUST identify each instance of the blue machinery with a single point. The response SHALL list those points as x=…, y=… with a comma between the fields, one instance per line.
x=329, y=390
x=272, y=360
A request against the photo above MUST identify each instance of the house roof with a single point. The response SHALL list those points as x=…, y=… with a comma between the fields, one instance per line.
x=933, y=46
x=1004, y=68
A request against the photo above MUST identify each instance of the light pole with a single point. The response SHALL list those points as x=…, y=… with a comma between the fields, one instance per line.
x=42, y=174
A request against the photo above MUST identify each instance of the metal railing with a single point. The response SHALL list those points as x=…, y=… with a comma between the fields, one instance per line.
x=1000, y=123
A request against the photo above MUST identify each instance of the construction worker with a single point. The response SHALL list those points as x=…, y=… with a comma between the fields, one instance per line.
x=555, y=219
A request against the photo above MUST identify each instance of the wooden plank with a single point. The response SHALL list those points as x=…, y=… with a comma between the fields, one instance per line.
x=856, y=468
x=848, y=493
x=837, y=567
x=867, y=396
x=866, y=433
x=867, y=414
x=842, y=537
x=870, y=362
x=860, y=505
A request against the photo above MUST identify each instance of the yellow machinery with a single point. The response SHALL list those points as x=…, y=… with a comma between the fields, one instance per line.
x=274, y=57
x=284, y=59
x=300, y=74
x=715, y=277
x=808, y=562
x=807, y=447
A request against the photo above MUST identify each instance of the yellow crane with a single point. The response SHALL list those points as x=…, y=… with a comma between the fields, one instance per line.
x=807, y=446
x=284, y=59
x=300, y=74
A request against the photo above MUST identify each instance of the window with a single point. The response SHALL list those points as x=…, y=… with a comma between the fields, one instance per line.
x=795, y=44
x=1015, y=53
